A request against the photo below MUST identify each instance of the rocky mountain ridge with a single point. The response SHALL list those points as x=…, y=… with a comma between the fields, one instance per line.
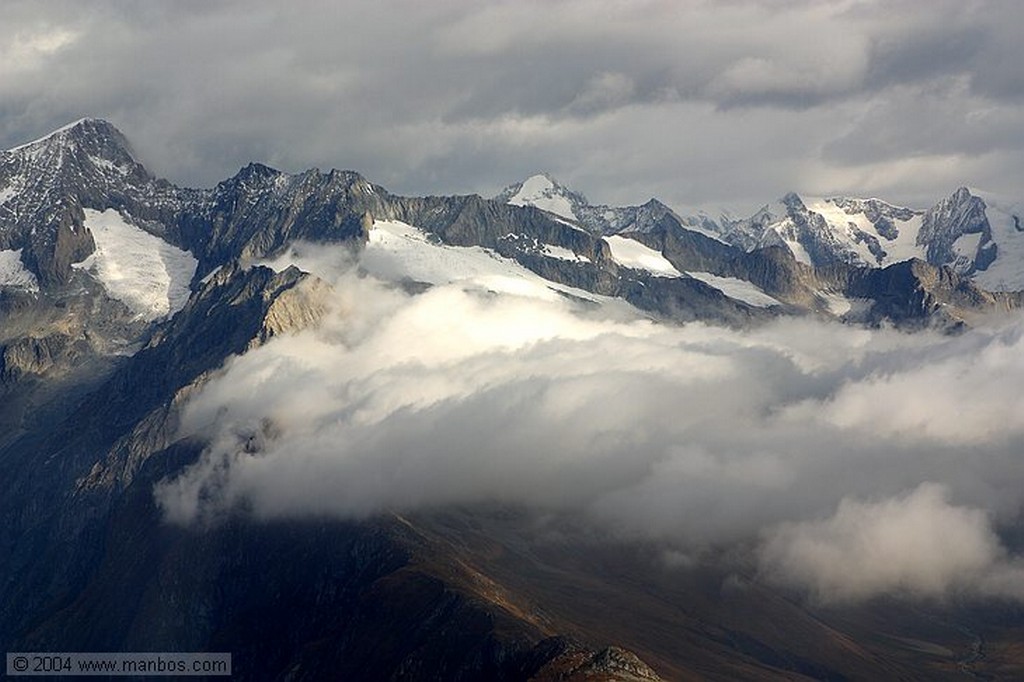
x=967, y=232
x=89, y=166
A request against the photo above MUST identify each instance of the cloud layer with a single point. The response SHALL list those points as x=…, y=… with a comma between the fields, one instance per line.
x=714, y=103
x=917, y=544
x=857, y=461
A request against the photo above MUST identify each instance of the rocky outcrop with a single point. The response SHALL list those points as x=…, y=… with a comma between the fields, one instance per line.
x=260, y=211
x=577, y=664
x=52, y=250
x=952, y=218
x=299, y=307
x=32, y=356
x=915, y=294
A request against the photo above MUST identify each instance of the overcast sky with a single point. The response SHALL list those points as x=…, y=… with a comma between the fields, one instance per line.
x=717, y=103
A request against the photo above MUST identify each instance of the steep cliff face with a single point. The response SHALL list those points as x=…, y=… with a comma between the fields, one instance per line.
x=60, y=478
x=956, y=232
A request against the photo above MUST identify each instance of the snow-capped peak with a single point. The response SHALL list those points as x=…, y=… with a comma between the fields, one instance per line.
x=94, y=137
x=86, y=163
x=53, y=135
x=538, y=184
x=545, y=193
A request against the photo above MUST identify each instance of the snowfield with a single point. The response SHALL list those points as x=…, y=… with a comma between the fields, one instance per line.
x=398, y=252
x=903, y=247
x=142, y=271
x=13, y=272
x=738, y=289
x=633, y=254
x=1007, y=272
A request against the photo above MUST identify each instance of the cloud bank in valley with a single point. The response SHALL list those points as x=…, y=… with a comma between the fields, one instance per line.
x=855, y=461
x=916, y=543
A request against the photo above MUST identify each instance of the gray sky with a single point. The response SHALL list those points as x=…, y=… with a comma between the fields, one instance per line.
x=717, y=103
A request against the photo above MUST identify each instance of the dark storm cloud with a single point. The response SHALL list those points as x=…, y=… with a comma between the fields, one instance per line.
x=720, y=103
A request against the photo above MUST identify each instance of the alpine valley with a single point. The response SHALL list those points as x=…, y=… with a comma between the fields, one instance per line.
x=126, y=300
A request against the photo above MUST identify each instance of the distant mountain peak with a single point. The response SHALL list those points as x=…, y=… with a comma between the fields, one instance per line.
x=792, y=198
x=654, y=204
x=95, y=136
x=88, y=164
x=544, y=177
x=543, y=180
x=58, y=134
x=543, y=191
x=961, y=193
x=253, y=172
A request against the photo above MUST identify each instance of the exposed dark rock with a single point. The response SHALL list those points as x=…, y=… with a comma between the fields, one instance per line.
x=32, y=355
x=960, y=214
x=58, y=480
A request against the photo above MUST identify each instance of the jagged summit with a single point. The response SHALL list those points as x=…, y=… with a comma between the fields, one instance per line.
x=93, y=136
x=46, y=184
x=58, y=134
x=81, y=154
x=974, y=233
x=543, y=191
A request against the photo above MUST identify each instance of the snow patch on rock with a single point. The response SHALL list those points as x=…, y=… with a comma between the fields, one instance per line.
x=13, y=272
x=148, y=275
x=633, y=254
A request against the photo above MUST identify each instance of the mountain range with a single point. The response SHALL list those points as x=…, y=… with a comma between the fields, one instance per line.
x=973, y=233
x=123, y=295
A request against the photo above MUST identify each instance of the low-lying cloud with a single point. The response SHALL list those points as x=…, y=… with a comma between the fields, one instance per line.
x=917, y=543
x=856, y=461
